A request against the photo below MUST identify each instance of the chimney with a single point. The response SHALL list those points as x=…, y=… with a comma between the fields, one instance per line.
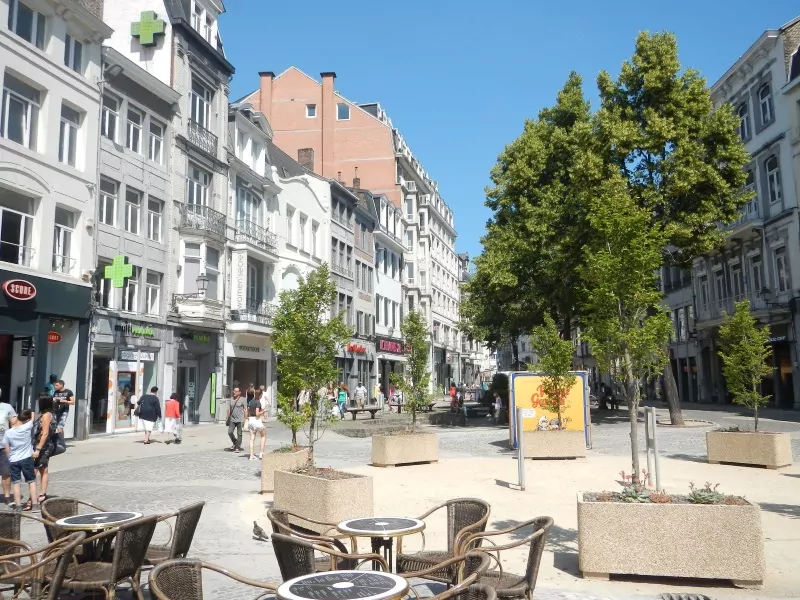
x=356, y=181
x=265, y=93
x=328, y=122
x=339, y=177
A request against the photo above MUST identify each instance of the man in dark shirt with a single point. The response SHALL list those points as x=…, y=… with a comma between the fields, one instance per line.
x=62, y=400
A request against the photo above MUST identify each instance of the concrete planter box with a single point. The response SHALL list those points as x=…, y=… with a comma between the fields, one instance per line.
x=554, y=444
x=771, y=450
x=404, y=449
x=322, y=499
x=280, y=461
x=697, y=541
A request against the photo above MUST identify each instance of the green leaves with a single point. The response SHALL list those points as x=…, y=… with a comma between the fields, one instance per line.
x=414, y=380
x=555, y=362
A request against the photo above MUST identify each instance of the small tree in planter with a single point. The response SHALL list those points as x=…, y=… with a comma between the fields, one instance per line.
x=555, y=363
x=288, y=414
x=414, y=381
x=744, y=353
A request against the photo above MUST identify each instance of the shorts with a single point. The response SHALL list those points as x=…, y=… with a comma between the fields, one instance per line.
x=147, y=425
x=23, y=468
x=172, y=425
x=255, y=423
x=43, y=460
x=5, y=466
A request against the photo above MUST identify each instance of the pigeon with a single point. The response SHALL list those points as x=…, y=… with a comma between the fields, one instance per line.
x=258, y=533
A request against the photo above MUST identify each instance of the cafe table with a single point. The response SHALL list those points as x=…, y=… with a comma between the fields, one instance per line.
x=93, y=523
x=344, y=585
x=382, y=531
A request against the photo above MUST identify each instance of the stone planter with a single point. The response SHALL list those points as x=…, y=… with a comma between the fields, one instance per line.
x=698, y=541
x=322, y=498
x=280, y=461
x=765, y=449
x=404, y=449
x=554, y=444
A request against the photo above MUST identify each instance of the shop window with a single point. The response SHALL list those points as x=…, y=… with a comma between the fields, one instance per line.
x=130, y=292
x=62, y=241
x=16, y=228
x=153, y=294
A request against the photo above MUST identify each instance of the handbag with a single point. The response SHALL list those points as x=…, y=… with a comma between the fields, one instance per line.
x=59, y=444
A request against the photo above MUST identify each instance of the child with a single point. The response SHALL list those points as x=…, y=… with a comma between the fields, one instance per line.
x=19, y=449
x=172, y=417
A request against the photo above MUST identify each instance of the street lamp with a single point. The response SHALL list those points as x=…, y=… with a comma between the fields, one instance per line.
x=202, y=284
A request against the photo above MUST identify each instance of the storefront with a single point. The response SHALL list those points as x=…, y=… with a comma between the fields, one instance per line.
x=390, y=361
x=356, y=365
x=247, y=360
x=199, y=373
x=129, y=358
x=442, y=369
x=44, y=330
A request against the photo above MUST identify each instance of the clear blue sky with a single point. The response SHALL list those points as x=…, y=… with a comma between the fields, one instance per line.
x=459, y=78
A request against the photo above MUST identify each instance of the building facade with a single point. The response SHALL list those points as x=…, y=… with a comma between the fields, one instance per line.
x=50, y=64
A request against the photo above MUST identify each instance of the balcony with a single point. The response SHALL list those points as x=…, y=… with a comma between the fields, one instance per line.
x=196, y=218
x=203, y=138
x=197, y=309
x=750, y=217
x=424, y=199
x=714, y=310
x=254, y=313
x=409, y=184
x=395, y=237
x=341, y=270
x=248, y=232
x=338, y=219
x=63, y=264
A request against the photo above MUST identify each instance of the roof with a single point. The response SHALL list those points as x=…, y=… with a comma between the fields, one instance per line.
x=286, y=165
x=178, y=13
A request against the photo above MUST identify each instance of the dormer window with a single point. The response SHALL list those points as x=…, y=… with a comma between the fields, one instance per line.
x=203, y=22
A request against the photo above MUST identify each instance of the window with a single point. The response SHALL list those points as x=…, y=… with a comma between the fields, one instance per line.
x=756, y=274
x=386, y=308
x=289, y=226
x=152, y=294
x=191, y=267
x=108, y=202
x=26, y=23
x=377, y=308
x=156, y=147
x=130, y=292
x=410, y=239
x=423, y=278
x=212, y=272
x=744, y=121
x=252, y=283
x=750, y=186
x=410, y=272
x=311, y=111
x=68, y=135
x=73, y=54
x=720, y=286
x=197, y=17
x=62, y=240
x=20, y=112
x=736, y=282
x=241, y=143
x=409, y=209
x=781, y=270
x=248, y=207
x=133, y=202
x=199, y=182
x=208, y=29
x=765, y=101
x=342, y=112
x=302, y=233
x=110, y=118
x=133, y=140
x=314, y=236
x=255, y=153
x=200, y=99
x=154, y=210
x=102, y=286
x=773, y=179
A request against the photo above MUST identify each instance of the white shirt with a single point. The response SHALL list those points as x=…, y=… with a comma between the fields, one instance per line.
x=361, y=392
x=6, y=411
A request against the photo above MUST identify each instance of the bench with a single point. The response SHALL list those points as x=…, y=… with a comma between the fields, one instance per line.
x=370, y=407
x=399, y=406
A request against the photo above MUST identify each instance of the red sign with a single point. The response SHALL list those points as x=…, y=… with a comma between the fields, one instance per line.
x=356, y=349
x=53, y=337
x=19, y=289
x=390, y=346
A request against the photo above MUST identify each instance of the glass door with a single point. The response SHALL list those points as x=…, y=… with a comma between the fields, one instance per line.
x=187, y=390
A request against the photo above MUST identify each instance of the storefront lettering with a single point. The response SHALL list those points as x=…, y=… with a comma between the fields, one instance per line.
x=53, y=337
x=356, y=349
x=19, y=289
x=129, y=329
x=196, y=337
x=777, y=339
x=392, y=346
x=254, y=349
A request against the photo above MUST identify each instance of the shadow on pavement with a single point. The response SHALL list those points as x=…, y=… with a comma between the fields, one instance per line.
x=777, y=414
x=689, y=457
x=791, y=475
x=787, y=510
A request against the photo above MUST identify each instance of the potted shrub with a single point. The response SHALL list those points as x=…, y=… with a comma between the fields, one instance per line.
x=307, y=341
x=745, y=352
x=407, y=447
x=551, y=439
x=703, y=534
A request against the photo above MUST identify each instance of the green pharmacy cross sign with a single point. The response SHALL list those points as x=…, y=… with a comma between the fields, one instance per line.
x=118, y=271
x=148, y=28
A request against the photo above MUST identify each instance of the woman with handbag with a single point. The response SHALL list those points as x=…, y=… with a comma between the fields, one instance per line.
x=148, y=409
x=44, y=438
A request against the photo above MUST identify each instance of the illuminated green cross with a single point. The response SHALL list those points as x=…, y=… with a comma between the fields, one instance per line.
x=148, y=27
x=118, y=271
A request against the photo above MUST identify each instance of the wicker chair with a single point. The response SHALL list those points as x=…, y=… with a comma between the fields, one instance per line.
x=297, y=557
x=509, y=585
x=54, y=509
x=476, y=591
x=280, y=521
x=41, y=579
x=182, y=579
x=181, y=536
x=10, y=527
x=464, y=517
x=130, y=547
x=467, y=570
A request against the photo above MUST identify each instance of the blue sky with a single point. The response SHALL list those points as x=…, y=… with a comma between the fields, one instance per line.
x=459, y=78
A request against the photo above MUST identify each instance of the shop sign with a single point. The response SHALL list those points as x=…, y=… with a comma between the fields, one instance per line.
x=356, y=349
x=53, y=337
x=196, y=337
x=133, y=355
x=130, y=330
x=19, y=289
x=253, y=349
x=777, y=339
x=392, y=346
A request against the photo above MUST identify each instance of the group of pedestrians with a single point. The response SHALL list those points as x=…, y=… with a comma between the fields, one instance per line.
x=249, y=410
x=148, y=412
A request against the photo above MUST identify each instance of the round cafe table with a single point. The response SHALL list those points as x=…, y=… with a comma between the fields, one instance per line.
x=93, y=523
x=382, y=531
x=344, y=585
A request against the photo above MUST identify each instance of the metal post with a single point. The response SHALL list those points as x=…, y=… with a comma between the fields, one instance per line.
x=520, y=452
x=656, y=459
x=647, y=445
x=651, y=441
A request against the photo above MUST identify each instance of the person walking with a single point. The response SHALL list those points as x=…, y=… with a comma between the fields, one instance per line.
x=148, y=411
x=172, y=417
x=341, y=398
x=50, y=386
x=62, y=400
x=236, y=410
x=361, y=395
x=45, y=429
x=19, y=450
x=7, y=417
x=255, y=408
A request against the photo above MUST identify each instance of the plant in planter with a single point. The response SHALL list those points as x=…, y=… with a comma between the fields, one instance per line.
x=555, y=363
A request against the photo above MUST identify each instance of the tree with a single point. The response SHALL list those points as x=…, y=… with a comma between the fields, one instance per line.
x=555, y=362
x=682, y=159
x=745, y=351
x=307, y=342
x=414, y=381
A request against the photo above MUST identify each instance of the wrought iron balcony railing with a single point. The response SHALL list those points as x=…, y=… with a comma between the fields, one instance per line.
x=261, y=313
x=341, y=270
x=203, y=138
x=250, y=233
x=197, y=216
x=63, y=264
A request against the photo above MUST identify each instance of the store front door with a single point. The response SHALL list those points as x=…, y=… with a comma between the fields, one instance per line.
x=187, y=389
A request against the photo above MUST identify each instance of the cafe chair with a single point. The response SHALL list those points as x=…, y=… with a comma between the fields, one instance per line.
x=42, y=577
x=11, y=527
x=297, y=557
x=465, y=516
x=182, y=579
x=281, y=523
x=508, y=585
x=476, y=591
x=54, y=509
x=466, y=570
x=131, y=541
x=180, y=537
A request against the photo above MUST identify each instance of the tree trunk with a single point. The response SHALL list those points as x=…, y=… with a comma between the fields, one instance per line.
x=632, y=398
x=515, y=352
x=673, y=400
x=294, y=437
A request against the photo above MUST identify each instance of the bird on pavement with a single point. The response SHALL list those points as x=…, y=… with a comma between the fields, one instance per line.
x=258, y=533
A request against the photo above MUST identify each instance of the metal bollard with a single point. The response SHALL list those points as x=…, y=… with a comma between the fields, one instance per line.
x=520, y=451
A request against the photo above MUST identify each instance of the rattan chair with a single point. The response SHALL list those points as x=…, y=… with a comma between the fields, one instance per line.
x=54, y=509
x=10, y=528
x=281, y=523
x=42, y=577
x=466, y=570
x=130, y=546
x=180, y=540
x=182, y=579
x=465, y=516
x=476, y=591
x=297, y=557
x=509, y=585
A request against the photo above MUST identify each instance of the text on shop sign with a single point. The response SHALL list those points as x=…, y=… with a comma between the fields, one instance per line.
x=391, y=346
x=19, y=289
x=255, y=349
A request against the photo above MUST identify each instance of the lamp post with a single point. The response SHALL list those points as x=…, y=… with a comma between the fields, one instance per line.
x=202, y=284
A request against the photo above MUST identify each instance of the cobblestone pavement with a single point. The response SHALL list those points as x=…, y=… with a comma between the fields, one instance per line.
x=122, y=473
